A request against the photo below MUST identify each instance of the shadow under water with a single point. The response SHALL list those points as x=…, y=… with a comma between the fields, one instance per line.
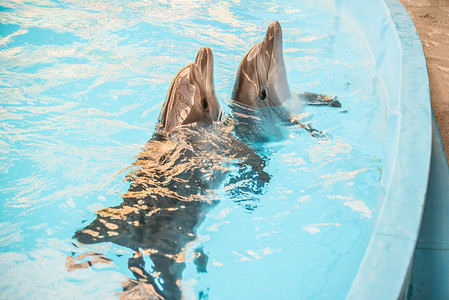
x=173, y=185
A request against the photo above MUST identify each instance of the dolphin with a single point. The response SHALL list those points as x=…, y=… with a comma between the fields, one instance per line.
x=261, y=77
x=191, y=96
x=173, y=185
x=261, y=92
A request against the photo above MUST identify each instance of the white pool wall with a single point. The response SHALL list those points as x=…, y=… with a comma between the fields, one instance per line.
x=401, y=66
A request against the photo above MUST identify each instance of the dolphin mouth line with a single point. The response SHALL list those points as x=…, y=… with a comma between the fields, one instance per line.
x=270, y=56
x=272, y=45
x=272, y=39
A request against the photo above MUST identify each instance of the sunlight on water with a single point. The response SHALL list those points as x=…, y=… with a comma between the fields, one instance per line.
x=82, y=85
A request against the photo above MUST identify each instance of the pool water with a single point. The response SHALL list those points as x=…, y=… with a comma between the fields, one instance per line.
x=82, y=85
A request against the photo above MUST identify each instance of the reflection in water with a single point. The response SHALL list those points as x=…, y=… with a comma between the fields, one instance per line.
x=173, y=186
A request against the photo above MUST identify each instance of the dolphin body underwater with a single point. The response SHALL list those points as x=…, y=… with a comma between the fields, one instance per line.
x=174, y=185
x=261, y=95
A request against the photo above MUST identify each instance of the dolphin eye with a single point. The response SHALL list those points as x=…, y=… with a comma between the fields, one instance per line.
x=204, y=103
x=263, y=94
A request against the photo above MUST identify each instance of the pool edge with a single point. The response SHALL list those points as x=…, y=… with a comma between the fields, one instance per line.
x=401, y=64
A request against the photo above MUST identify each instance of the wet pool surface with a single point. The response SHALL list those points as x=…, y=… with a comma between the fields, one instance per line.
x=81, y=89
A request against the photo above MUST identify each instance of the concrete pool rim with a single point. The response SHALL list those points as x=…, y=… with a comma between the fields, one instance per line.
x=401, y=66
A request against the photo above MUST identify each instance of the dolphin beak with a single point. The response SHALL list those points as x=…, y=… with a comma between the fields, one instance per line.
x=273, y=43
x=205, y=62
x=277, y=83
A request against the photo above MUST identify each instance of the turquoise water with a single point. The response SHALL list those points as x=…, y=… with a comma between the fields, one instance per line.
x=82, y=85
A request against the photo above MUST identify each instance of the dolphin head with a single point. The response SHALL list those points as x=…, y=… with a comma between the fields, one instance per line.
x=191, y=97
x=261, y=78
